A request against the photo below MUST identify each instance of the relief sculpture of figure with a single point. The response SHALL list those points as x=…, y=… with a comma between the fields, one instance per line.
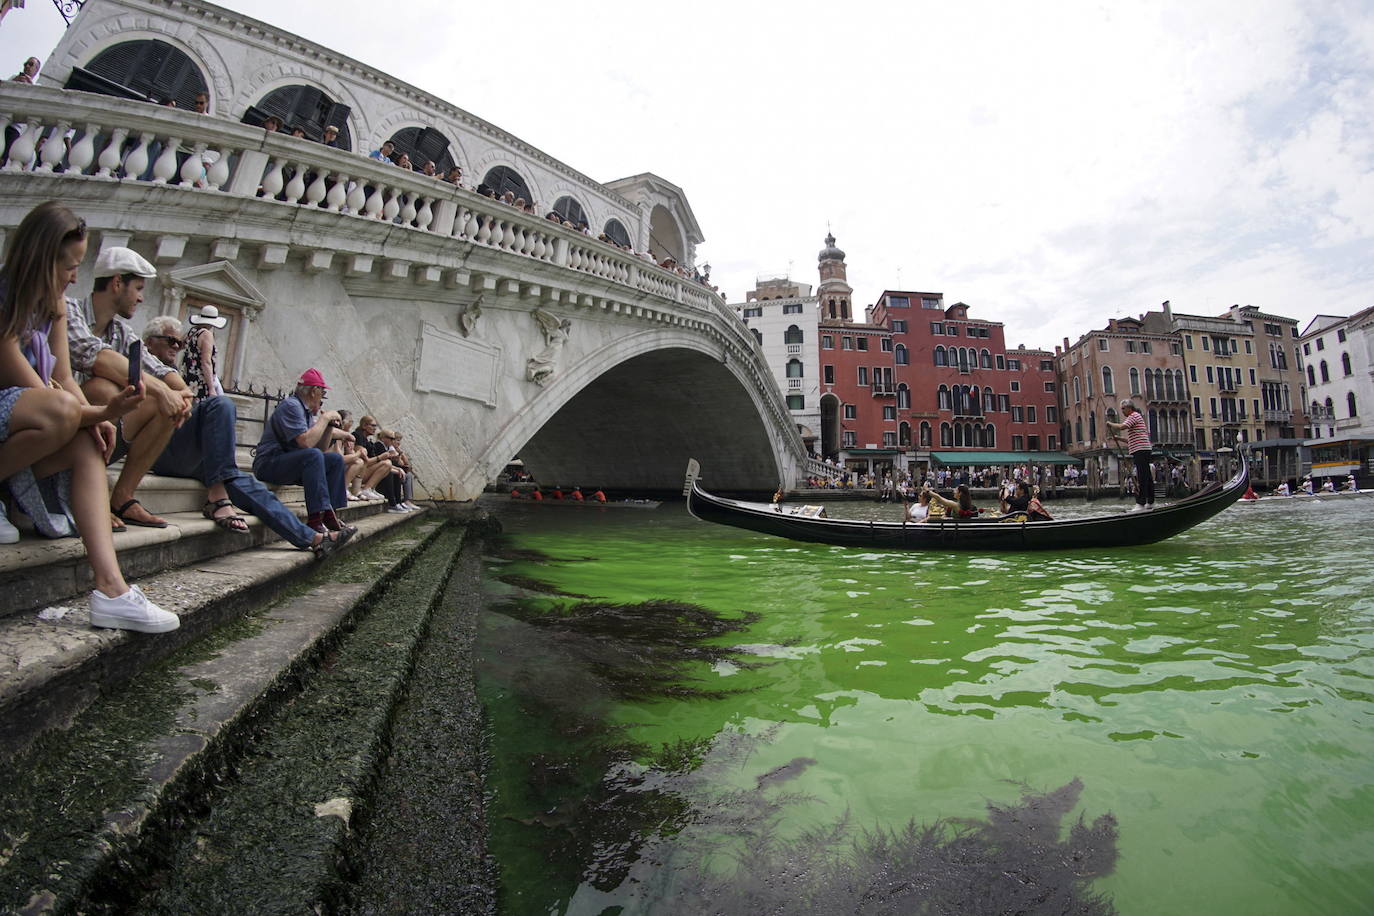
x=467, y=322
x=540, y=367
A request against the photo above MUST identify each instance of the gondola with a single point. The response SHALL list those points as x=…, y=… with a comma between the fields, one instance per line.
x=1119, y=530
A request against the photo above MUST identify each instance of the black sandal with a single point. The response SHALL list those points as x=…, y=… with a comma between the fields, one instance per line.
x=235, y=523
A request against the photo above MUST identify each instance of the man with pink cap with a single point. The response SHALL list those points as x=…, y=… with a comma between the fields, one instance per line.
x=291, y=451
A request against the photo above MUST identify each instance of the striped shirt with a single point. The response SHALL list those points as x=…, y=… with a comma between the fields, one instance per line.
x=1137, y=434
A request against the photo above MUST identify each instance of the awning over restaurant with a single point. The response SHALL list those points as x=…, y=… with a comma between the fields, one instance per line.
x=996, y=458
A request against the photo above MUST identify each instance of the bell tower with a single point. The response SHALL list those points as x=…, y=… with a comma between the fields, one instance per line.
x=834, y=290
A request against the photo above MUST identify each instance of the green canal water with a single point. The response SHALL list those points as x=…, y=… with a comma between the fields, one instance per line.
x=1185, y=728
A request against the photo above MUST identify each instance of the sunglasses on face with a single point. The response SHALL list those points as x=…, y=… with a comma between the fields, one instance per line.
x=176, y=343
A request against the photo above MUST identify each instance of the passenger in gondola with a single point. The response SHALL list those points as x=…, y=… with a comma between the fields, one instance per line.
x=961, y=507
x=1021, y=501
x=919, y=509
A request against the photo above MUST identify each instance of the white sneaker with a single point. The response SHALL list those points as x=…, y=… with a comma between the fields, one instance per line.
x=1138, y=508
x=411, y=506
x=131, y=611
x=8, y=533
x=1149, y=507
x=398, y=509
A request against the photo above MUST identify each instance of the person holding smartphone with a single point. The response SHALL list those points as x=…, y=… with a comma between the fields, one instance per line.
x=101, y=342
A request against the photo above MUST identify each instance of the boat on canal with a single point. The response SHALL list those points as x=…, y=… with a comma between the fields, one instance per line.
x=1119, y=530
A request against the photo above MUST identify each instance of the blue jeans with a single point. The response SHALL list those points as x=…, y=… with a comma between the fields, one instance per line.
x=320, y=473
x=203, y=449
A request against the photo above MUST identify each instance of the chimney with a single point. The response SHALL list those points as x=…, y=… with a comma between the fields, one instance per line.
x=1168, y=312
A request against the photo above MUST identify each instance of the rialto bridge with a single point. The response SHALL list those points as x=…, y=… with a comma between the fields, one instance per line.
x=480, y=331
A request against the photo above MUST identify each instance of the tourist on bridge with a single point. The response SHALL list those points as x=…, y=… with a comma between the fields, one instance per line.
x=1138, y=444
x=53, y=443
x=99, y=338
x=291, y=452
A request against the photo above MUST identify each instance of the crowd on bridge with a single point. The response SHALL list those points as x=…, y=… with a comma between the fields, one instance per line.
x=80, y=390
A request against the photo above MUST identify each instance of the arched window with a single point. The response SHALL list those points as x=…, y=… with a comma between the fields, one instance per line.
x=985, y=359
x=1326, y=376
x=1092, y=426
x=570, y=210
x=794, y=368
x=1152, y=420
x=1135, y=380
x=1316, y=409
x=940, y=357
x=989, y=436
x=1077, y=391
x=925, y=434
x=305, y=107
x=1350, y=403
x=503, y=178
x=147, y=70
x=423, y=144
x=904, y=435
x=1149, y=385
x=1111, y=414
x=964, y=359
x=1345, y=363
x=1311, y=376
x=900, y=356
x=989, y=401
x=1078, y=429
x=616, y=233
x=946, y=436
x=793, y=334
x=903, y=397
x=958, y=435
x=1330, y=409
x=1107, y=387
x=975, y=400
x=758, y=335
x=942, y=399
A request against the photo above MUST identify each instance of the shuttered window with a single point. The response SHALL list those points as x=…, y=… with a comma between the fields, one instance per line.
x=306, y=107
x=502, y=179
x=424, y=144
x=147, y=69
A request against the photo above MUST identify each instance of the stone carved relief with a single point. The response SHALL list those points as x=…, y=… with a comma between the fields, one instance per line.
x=543, y=365
x=467, y=321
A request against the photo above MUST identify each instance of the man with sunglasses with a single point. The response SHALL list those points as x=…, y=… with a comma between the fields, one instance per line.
x=98, y=338
x=203, y=449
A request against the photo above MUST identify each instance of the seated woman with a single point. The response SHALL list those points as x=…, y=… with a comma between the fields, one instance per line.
x=919, y=510
x=961, y=507
x=46, y=424
x=1021, y=501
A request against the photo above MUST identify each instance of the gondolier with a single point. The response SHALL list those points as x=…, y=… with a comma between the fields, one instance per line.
x=1138, y=444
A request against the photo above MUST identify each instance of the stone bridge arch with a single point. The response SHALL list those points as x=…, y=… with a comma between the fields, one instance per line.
x=634, y=411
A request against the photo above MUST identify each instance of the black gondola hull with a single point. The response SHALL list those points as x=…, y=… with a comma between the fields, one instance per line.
x=1121, y=530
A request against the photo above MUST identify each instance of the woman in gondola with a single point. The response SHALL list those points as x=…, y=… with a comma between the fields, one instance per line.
x=961, y=507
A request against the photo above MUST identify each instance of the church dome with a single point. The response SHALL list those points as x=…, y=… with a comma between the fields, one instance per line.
x=830, y=252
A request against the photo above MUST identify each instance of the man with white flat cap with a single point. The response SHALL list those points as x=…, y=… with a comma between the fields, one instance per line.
x=98, y=337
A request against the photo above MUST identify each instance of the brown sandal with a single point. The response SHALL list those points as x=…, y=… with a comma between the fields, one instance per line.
x=235, y=523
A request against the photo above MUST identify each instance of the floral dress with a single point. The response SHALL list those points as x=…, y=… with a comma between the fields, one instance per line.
x=191, y=371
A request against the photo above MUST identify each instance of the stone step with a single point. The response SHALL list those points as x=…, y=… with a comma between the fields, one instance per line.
x=52, y=663
x=37, y=571
x=94, y=808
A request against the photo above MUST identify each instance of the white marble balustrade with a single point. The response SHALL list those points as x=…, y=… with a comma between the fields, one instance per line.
x=89, y=137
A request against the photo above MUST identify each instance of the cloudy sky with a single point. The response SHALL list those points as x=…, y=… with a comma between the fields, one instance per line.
x=1051, y=164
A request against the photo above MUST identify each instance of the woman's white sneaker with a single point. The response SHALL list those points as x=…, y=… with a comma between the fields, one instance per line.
x=8, y=533
x=131, y=611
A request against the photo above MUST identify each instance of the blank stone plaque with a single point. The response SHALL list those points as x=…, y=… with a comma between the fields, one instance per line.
x=450, y=364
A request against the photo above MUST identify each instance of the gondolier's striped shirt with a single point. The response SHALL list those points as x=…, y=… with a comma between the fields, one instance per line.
x=1137, y=434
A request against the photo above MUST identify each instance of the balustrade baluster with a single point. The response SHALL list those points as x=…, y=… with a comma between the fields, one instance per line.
x=508, y=239
x=217, y=176
x=574, y=257
x=166, y=165
x=471, y=224
x=373, y=208
x=83, y=152
x=295, y=188
x=109, y=157
x=519, y=243
x=193, y=169
x=137, y=162
x=22, y=149
x=54, y=149
x=483, y=235
x=317, y=189
x=425, y=217
x=338, y=195
x=273, y=181
x=392, y=205
x=408, y=211
x=357, y=198
x=539, y=247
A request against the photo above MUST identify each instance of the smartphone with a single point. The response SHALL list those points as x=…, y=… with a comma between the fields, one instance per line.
x=135, y=363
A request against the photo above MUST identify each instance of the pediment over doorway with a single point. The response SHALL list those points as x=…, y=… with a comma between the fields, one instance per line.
x=218, y=281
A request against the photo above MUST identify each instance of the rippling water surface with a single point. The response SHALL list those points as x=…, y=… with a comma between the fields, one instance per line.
x=1211, y=693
